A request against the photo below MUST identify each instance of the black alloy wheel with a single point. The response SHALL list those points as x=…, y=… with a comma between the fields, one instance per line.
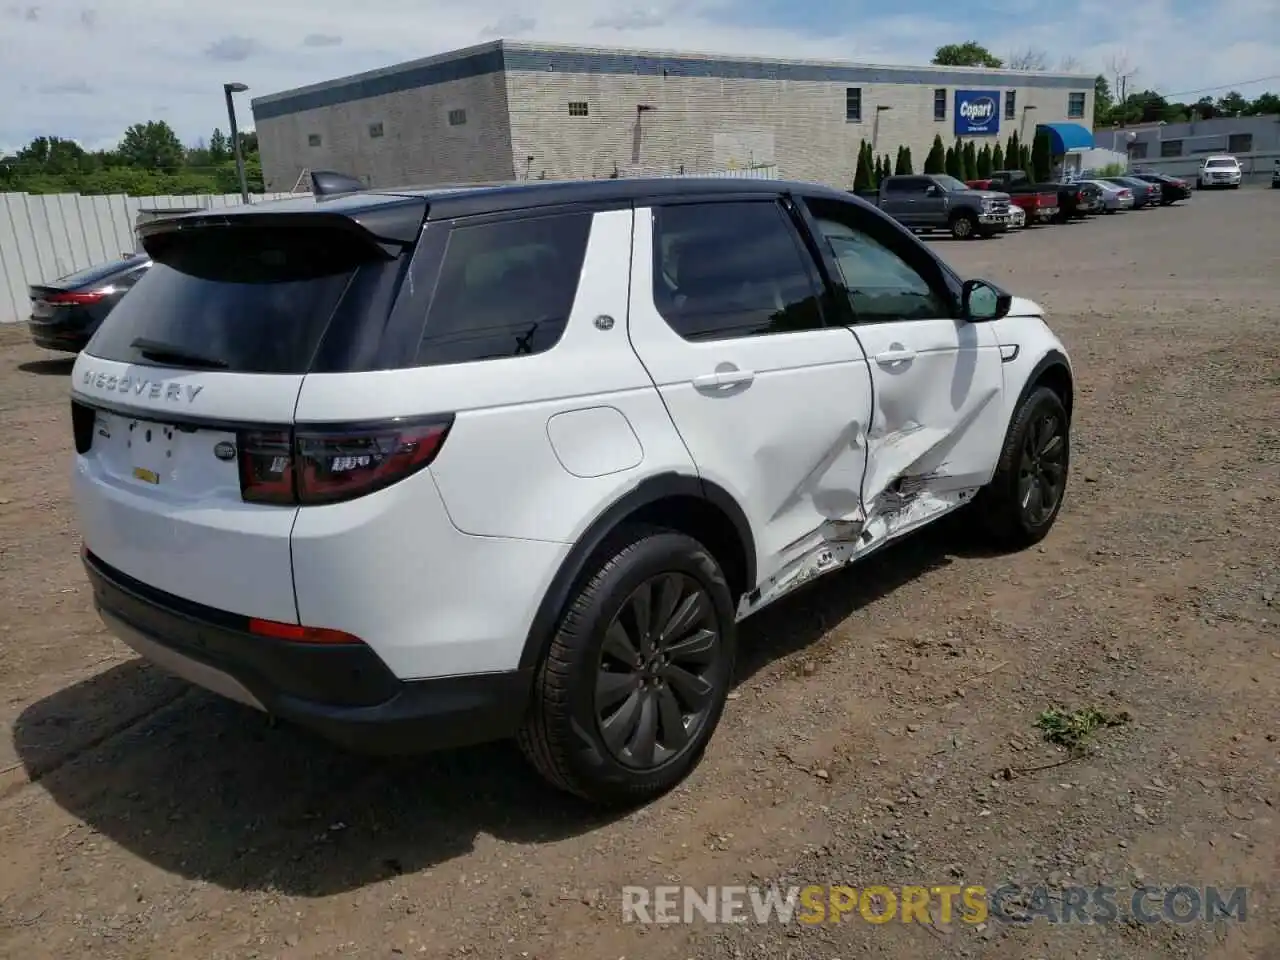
x=1042, y=474
x=658, y=669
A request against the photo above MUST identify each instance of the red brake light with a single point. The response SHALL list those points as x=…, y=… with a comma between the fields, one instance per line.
x=75, y=299
x=299, y=634
x=315, y=465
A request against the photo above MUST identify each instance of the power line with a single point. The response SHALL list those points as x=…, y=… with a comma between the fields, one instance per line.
x=1225, y=86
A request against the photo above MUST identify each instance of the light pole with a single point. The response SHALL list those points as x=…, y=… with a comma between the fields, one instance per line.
x=228, y=89
x=875, y=130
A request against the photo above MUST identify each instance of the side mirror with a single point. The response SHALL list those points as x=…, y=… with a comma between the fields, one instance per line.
x=981, y=301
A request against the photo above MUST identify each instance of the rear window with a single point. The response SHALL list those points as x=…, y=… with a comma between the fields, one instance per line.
x=246, y=299
x=506, y=288
x=98, y=272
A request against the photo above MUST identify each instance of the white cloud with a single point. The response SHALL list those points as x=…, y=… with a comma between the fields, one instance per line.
x=146, y=59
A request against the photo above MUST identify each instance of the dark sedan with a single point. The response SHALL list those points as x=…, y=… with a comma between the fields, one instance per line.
x=66, y=311
x=1172, y=189
x=1144, y=194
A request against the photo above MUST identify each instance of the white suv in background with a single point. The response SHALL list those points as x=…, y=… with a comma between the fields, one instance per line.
x=418, y=469
x=1223, y=171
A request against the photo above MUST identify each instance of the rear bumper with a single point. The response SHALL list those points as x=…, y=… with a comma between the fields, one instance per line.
x=54, y=336
x=344, y=692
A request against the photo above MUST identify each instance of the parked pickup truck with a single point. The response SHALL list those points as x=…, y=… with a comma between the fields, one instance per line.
x=1039, y=201
x=939, y=202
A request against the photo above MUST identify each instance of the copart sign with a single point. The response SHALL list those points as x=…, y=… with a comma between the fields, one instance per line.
x=977, y=112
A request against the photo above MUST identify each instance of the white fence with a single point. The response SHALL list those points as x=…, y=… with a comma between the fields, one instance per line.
x=46, y=237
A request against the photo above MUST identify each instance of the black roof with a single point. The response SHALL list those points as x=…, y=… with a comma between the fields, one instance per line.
x=396, y=213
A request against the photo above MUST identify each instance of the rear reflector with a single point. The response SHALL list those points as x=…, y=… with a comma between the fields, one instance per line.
x=74, y=299
x=314, y=465
x=299, y=634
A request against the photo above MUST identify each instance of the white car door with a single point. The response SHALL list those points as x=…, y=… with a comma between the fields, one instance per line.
x=938, y=425
x=770, y=398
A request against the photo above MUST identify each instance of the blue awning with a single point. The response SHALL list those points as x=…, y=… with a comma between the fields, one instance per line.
x=1066, y=137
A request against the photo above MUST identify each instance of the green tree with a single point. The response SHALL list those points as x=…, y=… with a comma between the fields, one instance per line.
x=967, y=54
x=51, y=155
x=1233, y=104
x=984, y=161
x=897, y=162
x=886, y=165
x=970, y=159
x=1041, y=157
x=862, y=174
x=219, y=147
x=997, y=159
x=936, y=161
x=1012, y=154
x=906, y=162
x=954, y=167
x=1103, y=103
x=152, y=146
x=878, y=173
x=1265, y=105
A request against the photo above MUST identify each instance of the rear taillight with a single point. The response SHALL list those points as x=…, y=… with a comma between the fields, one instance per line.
x=82, y=421
x=295, y=633
x=75, y=299
x=315, y=465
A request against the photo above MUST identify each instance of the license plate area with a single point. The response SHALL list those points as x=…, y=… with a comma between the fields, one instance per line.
x=150, y=448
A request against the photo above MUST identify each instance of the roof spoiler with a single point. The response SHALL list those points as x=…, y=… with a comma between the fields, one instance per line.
x=329, y=183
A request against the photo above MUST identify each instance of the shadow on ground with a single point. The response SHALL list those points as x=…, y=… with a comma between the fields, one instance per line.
x=203, y=788
x=49, y=367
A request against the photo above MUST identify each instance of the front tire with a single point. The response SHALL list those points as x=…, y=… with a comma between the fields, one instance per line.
x=963, y=226
x=1020, y=504
x=636, y=677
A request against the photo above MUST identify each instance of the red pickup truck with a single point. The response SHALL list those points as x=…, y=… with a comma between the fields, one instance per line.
x=1039, y=204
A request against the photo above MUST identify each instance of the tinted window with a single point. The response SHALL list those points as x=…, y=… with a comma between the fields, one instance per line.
x=251, y=300
x=505, y=289
x=882, y=285
x=98, y=272
x=725, y=270
x=906, y=185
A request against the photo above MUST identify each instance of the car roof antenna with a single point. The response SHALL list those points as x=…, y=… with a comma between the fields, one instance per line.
x=329, y=183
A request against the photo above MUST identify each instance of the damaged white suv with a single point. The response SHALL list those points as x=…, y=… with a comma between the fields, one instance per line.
x=417, y=469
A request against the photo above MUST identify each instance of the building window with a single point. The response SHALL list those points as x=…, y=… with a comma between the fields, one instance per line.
x=853, y=104
x=1170, y=148
x=940, y=103
x=1011, y=105
x=313, y=140
x=1075, y=106
x=1138, y=150
x=375, y=130
x=578, y=108
x=457, y=117
x=1239, y=143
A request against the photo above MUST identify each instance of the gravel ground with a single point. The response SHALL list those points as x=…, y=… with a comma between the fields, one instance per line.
x=882, y=730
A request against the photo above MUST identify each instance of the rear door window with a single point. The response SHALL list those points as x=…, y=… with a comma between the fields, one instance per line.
x=245, y=299
x=506, y=288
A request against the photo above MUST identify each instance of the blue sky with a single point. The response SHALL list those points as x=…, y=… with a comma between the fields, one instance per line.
x=75, y=69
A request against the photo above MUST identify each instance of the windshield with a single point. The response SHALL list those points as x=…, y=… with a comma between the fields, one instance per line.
x=950, y=184
x=1222, y=162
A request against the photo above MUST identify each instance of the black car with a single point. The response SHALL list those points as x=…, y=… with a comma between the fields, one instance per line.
x=1172, y=189
x=66, y=312
x=1078, y=200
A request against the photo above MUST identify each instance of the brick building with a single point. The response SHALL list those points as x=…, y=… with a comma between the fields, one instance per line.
x=506, y=110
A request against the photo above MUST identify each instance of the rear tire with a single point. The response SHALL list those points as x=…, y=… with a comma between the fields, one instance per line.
x=1019, y=506
x=964, y=226
x=636, y=677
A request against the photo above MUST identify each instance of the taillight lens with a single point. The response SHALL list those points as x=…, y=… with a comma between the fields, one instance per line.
x=75, y=299
x=82, y=422
x=295, y=633
x=315, y=465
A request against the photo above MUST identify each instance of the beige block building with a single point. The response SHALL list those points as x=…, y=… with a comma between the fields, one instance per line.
x=505, y=110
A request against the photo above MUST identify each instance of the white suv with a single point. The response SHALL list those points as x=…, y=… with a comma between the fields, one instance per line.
x=1221, y=171
x=427, y=468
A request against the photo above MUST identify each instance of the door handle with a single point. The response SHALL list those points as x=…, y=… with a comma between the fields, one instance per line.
x=895, y=355
x=723, y=378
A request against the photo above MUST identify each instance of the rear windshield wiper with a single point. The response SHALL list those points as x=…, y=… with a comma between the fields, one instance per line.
x=168, y=353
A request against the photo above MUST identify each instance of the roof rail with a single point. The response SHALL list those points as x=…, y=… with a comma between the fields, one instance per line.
x=328, y=183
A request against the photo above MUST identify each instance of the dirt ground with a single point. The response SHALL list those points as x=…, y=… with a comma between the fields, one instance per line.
x=867, y=740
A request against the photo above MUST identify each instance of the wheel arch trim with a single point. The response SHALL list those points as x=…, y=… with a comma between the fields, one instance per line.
x=650, y=490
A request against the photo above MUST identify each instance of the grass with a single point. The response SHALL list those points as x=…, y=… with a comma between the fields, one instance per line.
x=1074, y=729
